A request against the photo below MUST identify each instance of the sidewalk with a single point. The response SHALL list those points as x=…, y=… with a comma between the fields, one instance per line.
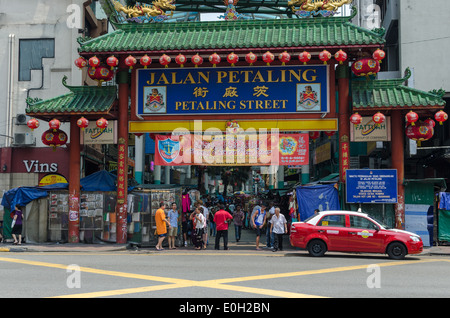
x=246, y=243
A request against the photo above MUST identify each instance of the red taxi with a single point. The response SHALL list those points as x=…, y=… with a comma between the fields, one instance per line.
x=347, y=231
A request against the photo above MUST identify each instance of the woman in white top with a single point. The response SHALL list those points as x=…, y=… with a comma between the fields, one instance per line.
x=199, y=223
x=278, y=226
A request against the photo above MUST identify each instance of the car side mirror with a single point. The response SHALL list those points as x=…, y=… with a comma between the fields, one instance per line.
x=376, y=227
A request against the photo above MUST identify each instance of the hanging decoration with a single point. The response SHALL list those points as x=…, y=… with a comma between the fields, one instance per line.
x=54, y=138
x=94, y=61
x=268, y=58
x=112, y=61
x=366, y=67
x=251, y=58
x=341, y=56
x=356, y=119
x=33, y=123
x=304, y=57
x=379, y=55
x=378, y=118
x=232, y=126
x=130, y=61
x=313, y=135
x=214, y=59
x=284, y=57
x=80, y=62
x=325, y=56
x=422, y=131
x=231, y=14
x=145, y=61
x=54, y=124
x=441, y=116
x=165, y=60
x=82, y=123
x=429, y=122
x=412, y=117
x=102, y=123
x=100, y=74
x=180, y=59
x=197, y=60
x=232, y=59
x=330, y=134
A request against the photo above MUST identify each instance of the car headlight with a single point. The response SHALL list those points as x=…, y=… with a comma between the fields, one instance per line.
x=415, y=238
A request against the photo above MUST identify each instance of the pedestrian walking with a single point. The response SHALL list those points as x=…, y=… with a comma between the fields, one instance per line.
x=269, y=235
x=16, y=225
x=238, y=220
x=222, y=218
x=173, y=217
x=199, y=223
x=161, y=225
x=258, y=220
x=278, y=226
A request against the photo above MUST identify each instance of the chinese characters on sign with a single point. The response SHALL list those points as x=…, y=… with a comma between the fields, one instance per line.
x=122, y=173
x=273, y=89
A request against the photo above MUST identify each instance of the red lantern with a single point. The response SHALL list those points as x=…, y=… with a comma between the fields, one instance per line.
x=356, y=119
x=100, y=73
x=412, y=117
x=330, y=134
x=251, y=58
x=284, y=57
x=441, y=116
x=130, y=61
x=82, y=123
x=54, y=138
x=33, y=123
x=232, y=59
x=180, y=59
x=94, y=61
x=379, y=55
x=304, y=57
x=80, y=62
x=214, y=59
x=314, y=135
x=145, y=61
x=112, y=61
x=54, y=124
x=340, y=56
x=430, y=122
x=197, y=60
x=325, y=56
x=420, y=132
x=102, y=123
x=378, y=118
x=268, y=58
x=165, y=60
x=366, y=67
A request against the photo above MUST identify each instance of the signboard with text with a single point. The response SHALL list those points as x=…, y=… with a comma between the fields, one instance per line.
x=233, y=90
x=371, y=186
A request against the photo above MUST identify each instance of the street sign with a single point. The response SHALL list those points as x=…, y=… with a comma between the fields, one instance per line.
x=371, y=186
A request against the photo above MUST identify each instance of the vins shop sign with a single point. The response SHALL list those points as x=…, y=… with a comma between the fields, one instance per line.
x=38, y=167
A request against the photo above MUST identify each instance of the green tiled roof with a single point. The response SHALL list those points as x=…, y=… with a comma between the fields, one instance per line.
x=81, y=100
x=242, y=34
x=391, y=94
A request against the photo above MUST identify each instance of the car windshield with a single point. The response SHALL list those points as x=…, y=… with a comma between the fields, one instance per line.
x=381, y=223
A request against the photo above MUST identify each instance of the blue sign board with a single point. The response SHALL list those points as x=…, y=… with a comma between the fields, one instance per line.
x=233, y=90
x=371, y=186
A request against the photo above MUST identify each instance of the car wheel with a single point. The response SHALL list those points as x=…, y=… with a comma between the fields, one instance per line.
x=396, y=250
x=317, y=248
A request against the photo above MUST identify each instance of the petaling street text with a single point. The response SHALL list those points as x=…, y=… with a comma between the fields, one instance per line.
x=230, y=105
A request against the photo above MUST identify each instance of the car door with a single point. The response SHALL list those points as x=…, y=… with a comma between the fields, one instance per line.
x=332, y=226
x=364, y=236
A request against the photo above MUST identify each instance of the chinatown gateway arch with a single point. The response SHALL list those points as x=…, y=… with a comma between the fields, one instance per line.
x=280, y=81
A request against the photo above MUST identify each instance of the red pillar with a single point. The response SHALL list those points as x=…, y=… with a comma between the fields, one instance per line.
x=398, y=141
x=122, y=160
x=343, y=76
x=74, y=182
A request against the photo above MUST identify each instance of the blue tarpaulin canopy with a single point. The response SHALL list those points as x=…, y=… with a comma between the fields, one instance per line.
x=322, y=197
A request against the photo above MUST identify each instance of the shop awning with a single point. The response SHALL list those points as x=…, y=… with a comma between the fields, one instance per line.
x=376, y=95
x=80, y=101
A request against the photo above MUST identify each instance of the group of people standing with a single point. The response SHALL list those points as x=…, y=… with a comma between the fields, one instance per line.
x=196, y=223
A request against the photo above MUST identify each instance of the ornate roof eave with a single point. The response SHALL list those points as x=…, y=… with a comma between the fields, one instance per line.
x=88, y=101
x=369, y=96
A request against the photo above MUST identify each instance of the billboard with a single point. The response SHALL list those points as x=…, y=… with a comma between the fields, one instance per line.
x=371, y=186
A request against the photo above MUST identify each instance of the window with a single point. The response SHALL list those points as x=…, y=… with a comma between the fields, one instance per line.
x=31, y=52
x=332, y=220
x=360, y=222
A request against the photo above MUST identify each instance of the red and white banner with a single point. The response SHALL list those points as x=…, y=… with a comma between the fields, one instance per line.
x=232, y=149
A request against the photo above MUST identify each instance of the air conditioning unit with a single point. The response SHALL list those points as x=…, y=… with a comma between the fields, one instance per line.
x=21, y=119
x=23, y=139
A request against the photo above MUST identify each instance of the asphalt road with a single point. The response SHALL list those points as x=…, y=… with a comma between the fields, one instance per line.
x=241, y=274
